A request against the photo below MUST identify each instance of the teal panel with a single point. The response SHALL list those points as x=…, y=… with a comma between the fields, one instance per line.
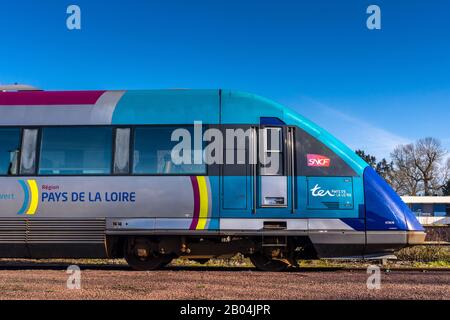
x=235, y=192
x=308, y=209
x=246, y=108
x=168, y=107
x=215, y=202
x=343, y=151
x=187, y=106
x=330, y=193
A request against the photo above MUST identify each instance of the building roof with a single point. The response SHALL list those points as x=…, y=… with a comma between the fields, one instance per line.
x=426, y=200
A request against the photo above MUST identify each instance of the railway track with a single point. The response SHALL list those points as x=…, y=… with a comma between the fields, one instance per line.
x=122, y=267
x=118, y=282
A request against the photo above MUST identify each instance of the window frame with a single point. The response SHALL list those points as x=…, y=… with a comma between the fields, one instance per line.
x=132, y=127
x=114, y=151
x=39, y=149
x=132, y=144
x=113, y=127
x=282, y=151
x=19, y=154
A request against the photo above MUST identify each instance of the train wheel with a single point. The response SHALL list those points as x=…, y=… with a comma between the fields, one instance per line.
x=264, y=263
x=141, y=258
x=167, y=258
x=147, y=263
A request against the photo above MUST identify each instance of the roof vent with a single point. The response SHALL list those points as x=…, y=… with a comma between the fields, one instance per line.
x=17, y=87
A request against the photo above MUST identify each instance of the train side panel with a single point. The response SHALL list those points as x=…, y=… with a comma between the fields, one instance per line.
x=326, y=195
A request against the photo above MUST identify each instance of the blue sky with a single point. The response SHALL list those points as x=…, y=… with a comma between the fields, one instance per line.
x=372, y=89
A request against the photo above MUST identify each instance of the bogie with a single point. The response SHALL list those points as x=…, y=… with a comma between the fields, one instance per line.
x=150, y=253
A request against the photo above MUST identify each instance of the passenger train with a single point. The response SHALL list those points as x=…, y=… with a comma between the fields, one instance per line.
x=90, y=174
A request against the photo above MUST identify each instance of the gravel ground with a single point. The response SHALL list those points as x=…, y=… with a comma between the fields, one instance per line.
x=118, y=282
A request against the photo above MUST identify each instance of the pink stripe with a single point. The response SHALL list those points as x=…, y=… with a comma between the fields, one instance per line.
x=38, y=98
x=194, y=223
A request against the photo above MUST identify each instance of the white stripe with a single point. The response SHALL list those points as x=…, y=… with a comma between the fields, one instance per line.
x=100, y=113
x=45, y=115
x=292, y=224
x=105, y=106
x=328, y=224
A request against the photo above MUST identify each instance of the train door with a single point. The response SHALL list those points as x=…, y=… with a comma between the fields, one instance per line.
x=261, y=188
x=236, y=178
x=273, y=175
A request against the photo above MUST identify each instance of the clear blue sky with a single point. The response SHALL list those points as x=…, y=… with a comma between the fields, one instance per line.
x=372, y=89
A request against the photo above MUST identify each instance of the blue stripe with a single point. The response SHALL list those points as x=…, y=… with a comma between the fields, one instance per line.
x=26, y=197
x=273, y=121
x=357, y=224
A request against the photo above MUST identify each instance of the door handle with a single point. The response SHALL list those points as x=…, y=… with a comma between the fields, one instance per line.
x=292, y=162
x=254, y=147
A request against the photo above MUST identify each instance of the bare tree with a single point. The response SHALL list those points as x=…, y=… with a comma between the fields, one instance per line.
x=446, y=188
x=405, y=177
x=419, y=167
x=446, y=178
x=430, y=155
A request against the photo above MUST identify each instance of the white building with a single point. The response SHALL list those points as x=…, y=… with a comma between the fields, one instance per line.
x=430, y=210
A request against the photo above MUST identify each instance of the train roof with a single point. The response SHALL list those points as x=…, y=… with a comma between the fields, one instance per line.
x=171, y=106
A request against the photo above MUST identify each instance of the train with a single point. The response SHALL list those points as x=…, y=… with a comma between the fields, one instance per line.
x=154, y=175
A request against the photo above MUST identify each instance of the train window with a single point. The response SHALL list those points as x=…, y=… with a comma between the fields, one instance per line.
x=9, y=151
x=315, y=159
x=122, y=151
x=28, y=154
x=271, y=142
x=152, y=152
x=76, y=151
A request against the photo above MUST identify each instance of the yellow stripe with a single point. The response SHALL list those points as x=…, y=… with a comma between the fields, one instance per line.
x=34, y=195
x=204, y=205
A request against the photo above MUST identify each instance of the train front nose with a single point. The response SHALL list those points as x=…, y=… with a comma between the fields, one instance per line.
x=387, y=216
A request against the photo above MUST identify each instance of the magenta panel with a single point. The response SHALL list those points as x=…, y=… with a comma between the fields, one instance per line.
x=39, y=98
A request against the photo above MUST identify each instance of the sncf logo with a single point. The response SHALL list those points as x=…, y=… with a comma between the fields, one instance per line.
x=317, y=160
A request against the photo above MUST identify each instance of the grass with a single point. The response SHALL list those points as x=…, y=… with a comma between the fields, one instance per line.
x=425, y=254
x=432, y=257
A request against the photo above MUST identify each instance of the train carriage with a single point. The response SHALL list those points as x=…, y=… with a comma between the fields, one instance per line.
x=91, y=174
